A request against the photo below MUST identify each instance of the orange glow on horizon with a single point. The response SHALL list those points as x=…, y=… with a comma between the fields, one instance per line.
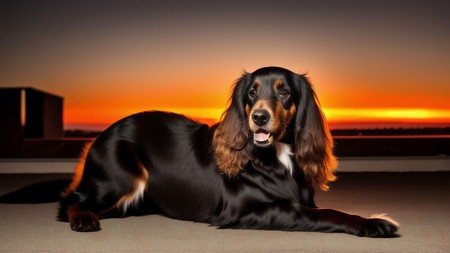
x=150, y=57
x=402, y=115
x=334, y=115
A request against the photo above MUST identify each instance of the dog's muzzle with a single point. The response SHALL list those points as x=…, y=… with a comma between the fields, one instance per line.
x=261, y=136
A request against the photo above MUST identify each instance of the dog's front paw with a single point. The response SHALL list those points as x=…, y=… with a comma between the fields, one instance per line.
x=379, y=226
x=85, y=222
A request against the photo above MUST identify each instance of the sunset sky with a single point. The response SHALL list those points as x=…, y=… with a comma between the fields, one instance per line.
x=369, y=61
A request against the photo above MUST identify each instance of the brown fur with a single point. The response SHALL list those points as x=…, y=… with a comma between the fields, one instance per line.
x=313, y=145
x=230, y=144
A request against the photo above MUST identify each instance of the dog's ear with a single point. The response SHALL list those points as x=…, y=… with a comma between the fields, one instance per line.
x=313, y=141
x=231, y=137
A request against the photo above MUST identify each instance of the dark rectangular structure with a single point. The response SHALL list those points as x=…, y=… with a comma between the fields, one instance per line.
x=11, y=129
x=43, y=115
x=27, y=113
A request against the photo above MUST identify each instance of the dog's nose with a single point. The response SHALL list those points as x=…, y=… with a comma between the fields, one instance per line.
x=260, y=117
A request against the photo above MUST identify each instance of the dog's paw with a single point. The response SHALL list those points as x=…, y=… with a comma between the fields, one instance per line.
x=85, y=222
x=379, y=226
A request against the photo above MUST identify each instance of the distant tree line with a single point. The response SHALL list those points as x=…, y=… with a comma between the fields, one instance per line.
x=81, y=134
x=337, y=132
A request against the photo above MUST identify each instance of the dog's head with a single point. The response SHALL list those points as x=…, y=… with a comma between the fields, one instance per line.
x=274, y=105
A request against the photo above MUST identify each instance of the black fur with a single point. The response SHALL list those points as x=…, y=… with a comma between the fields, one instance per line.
x=178, y=159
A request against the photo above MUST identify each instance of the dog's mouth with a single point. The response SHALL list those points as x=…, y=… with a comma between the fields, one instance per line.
x=262, y=137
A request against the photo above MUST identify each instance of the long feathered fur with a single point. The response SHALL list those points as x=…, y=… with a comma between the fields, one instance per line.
x=314, y=144
x=255, y=169
x=313, y=141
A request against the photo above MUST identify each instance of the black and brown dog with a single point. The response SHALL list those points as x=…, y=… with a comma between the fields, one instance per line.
x=256, y=169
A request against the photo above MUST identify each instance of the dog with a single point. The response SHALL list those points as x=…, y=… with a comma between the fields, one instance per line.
x=257, y=168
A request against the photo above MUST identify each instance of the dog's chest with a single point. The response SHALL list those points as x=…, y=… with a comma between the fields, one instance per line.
x=284, y=155
x=276, y=160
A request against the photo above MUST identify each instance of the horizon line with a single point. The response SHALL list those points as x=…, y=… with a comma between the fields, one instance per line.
x=350, y=125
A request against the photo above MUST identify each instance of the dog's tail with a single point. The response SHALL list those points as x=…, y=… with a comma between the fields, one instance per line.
x=45, y=192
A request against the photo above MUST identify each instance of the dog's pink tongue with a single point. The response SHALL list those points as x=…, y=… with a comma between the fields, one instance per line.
x=261, y=135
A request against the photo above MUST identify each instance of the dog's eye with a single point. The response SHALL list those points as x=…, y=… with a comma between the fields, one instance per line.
x=252, y=93
x=284, y=93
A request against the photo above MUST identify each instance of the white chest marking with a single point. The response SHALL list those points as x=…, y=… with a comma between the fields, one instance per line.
x=284, y=154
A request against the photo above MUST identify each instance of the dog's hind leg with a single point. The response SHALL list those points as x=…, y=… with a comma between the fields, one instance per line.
x=101, y=191
x=84, y=211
